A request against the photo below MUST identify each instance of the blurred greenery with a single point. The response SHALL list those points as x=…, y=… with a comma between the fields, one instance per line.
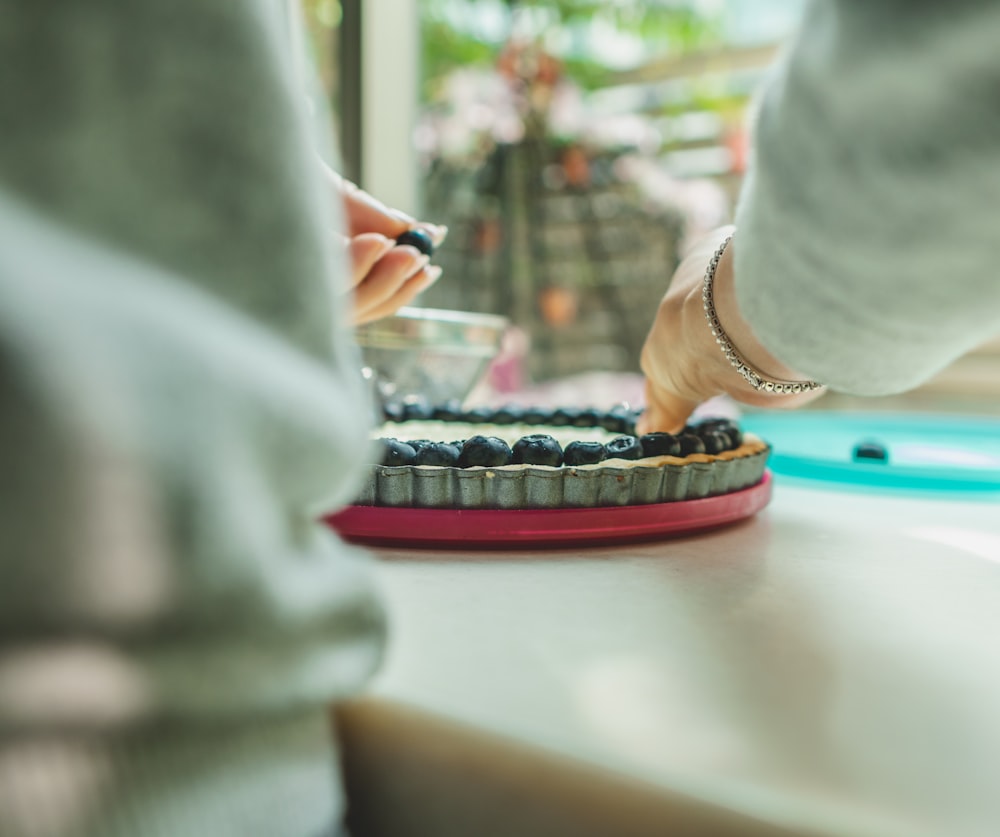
x=451, y=38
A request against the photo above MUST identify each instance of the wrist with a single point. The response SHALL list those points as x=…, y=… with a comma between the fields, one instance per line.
x=739, y=333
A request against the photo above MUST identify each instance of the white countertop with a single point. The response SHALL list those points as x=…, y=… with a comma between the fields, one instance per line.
x=832, y=664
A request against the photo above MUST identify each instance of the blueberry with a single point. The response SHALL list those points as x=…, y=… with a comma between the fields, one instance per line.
x=537, y=415
x=660, y=444
x=872, y=451
x=565, y=416
x=537, y=449
x=449, y=411
x=727, y=426
x=624, y=447
x=715, y=441
x=584, y=453
x=589, y=417
x=392, y=411
x=478, y=415
x=419, y=444
x=437, y=453
x=616, y=421
x=395, y=452
x=484, y=451
x=690, y=444
x=418, y=239
x=509, y=414
x=417, y=411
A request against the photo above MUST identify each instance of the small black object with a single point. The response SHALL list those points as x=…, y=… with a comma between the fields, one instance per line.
x=392, y=411
x=871, y=451
x=565, y=416
x=722, y=425
x=715, y=441
x=618, y=420
x=508, y=414
x=395, y=452
x=690, y=444
x=419, y=444
x=478, y=415
x=537, y=415
x=660, y=444
x=537, y=449
x=484, y=452
x=417, y=411
x=449, y=411
x=584, y=453
x=624, y=447
x=417, y=239
x=589, y=417
x=437, y=453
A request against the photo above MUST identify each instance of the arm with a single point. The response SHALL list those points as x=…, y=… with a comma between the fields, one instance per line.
x=863, y=255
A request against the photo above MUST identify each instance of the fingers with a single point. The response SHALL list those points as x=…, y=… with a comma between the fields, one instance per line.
x=404, y=295
x=364, y=251
x=391, y=282
x=366, y=214
x=665, y=412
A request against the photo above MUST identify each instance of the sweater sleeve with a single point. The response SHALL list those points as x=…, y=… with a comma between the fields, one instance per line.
x=179, y=404
x=867, y=252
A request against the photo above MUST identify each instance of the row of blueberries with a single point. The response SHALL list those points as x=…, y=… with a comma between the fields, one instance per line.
x=713, y=437
x=616, y=420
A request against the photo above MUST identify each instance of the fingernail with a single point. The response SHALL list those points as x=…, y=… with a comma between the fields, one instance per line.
x=409, y=220
x=431, y=275
x=420, y=264
x=385, y=246
x=438, y=233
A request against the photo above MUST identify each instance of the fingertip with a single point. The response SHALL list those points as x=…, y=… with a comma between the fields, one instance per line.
x=431, y=275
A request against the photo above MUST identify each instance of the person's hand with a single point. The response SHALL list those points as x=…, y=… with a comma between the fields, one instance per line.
x=384, y=276
x=683, y=364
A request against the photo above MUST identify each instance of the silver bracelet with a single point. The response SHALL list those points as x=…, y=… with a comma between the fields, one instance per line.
x=757, y=379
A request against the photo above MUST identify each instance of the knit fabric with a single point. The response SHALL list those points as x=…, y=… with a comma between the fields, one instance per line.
x=866, y=250
x=178, y=406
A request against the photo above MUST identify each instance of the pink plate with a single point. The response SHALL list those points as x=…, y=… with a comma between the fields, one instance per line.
x=514, y=528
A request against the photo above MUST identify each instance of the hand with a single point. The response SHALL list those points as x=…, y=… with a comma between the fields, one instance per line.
x=384, y=276
x=683, y=364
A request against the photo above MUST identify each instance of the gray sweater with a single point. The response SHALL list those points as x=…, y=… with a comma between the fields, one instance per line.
x=178, y=405
x=868, y=234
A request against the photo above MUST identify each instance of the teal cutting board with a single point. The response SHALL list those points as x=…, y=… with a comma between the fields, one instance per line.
x=924, y=452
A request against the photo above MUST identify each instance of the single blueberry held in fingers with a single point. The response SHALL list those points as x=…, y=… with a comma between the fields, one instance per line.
x=437, y=453
x=537, y=449
x=584, y=453
x=660, y=444
x=484, y=452
x=417, y=239
x=690, y=444
x=395, y=452
x=624, y=447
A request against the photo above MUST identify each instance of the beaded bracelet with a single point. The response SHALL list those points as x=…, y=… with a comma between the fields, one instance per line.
x=753, y=376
